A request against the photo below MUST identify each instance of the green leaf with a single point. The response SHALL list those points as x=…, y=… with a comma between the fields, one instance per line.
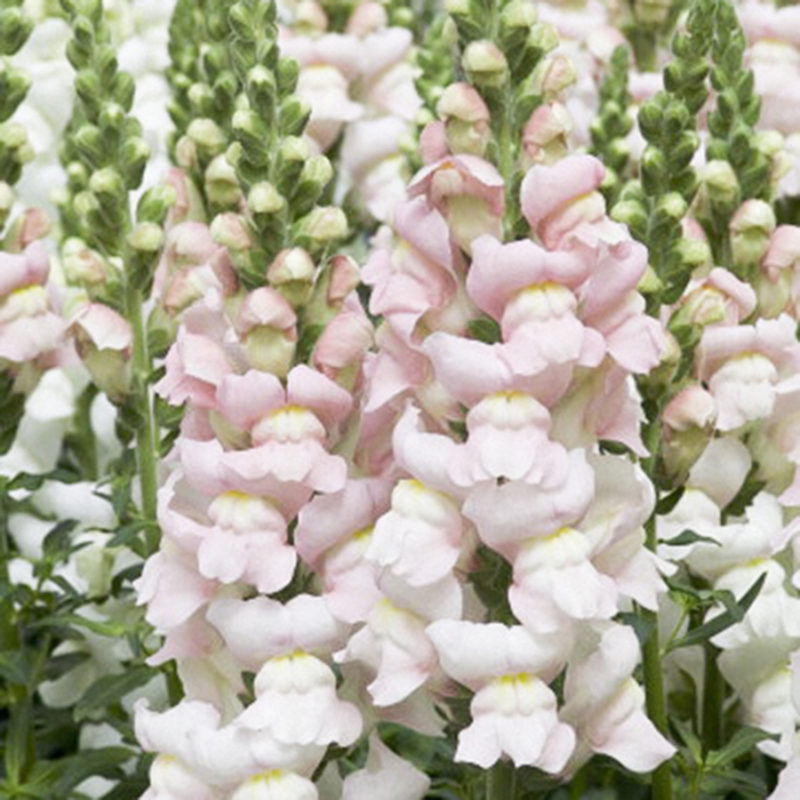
x=110, y=689
x=15, y=666
x=57, y=543
x=668, y=502
x=57, y=778
x=689, y=738
x=688, y=537
x=102, y=627
x=733, y=614
x=743, y=741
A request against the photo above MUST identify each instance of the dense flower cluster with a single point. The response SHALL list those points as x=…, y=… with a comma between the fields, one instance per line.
x=454, y=378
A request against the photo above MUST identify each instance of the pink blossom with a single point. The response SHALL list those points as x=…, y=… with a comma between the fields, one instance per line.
x=296, y=703
x=394, y=646
x=385, y=775
x=606, y=706
x=549, y=195
x=258, y=629
x=172, y=588
x=418, y=540
x=513, y=712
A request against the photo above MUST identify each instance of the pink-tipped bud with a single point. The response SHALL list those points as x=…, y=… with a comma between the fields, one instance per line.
x=367, y=18
x=545, y=134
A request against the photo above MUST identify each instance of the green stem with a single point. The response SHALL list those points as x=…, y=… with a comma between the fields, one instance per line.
x=145, y=434
x=654, y=683
x=713, y=698
x=501, y=782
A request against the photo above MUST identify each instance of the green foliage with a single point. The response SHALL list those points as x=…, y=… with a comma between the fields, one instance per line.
x=612, y=124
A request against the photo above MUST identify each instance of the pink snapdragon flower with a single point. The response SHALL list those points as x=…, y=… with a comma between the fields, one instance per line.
x=605, y=705
x=30, y=327
x=513, y=710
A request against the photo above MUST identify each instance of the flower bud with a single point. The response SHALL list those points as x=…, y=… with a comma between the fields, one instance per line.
x=485, y=64
x=750, y=229
x=720, y=183
x=688, y=426
x=155, y=203
x=222, y=185
x=268, y=323
x=292, y=274
x=230, y=230
x=30, y=225
x=107, y=183
x=90, y=144
x=15, y=28
x=323, y=224
x=310, y=17
x=553, y=74
x=103, y=339
x=134, y=155
x=186, y=153
x=295, y=112
x=518, y=14
x=264, y=198
x=294, y=148
x=544, y=37
x=207, y=136
x=366, y=18
x=466, y=119
x=544, y=137
x=82, y=265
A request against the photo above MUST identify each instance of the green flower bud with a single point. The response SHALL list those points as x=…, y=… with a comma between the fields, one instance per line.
x=146, y=237
x=323, y=224
x=293, y=148
x=82, y=265
x=85, y=203
x=261, y=88
x=518, y=14
x=207, y=136
x=264, y=198
x=316, y=174
x=653, y=169
x=112, y=117
x=544, y=37
x=221, y=182
x=632, y=214
x=249, y=129
x=15, y=28
x=77, y=176
x=14, y=85
x=294, y=114
x=720, y=183
x=201, y=98
x=750, y=229
x=485, y=64
x=186, y=153
x=288, y=73
x=292, y=274
x=650, y=118
x=693, y=253
x=155, y=203
x=107, y=183
x=134, y=156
